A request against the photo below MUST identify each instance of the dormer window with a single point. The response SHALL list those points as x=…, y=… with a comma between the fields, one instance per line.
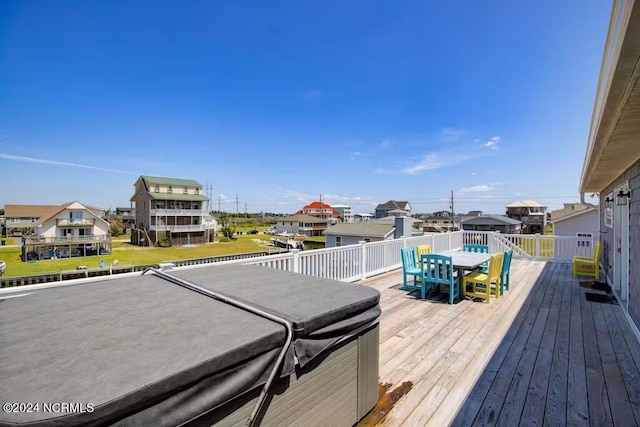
x=170, y=190
x=185, y=191
x=156, y=189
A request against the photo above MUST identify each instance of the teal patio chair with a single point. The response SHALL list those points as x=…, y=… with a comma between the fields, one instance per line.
x=505, y=272
x=438, y=270
x=483, y=249
x=409, y=268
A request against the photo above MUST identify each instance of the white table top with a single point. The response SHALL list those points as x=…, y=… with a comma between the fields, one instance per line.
x=467, y=260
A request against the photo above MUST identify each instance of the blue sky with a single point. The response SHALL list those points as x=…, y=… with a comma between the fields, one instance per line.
x=280, y=101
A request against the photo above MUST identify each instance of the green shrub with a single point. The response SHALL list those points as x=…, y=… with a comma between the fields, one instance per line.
x=223, y=239
x=165, y=242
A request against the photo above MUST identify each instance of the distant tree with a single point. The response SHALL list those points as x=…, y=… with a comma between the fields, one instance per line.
x=226, y=227
x=116, y=227
x=1, y=211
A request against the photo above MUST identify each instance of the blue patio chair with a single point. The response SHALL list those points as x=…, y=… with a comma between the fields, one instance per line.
x=483, y=249
x=505, y=272
x=438, y=270
x=409, y=268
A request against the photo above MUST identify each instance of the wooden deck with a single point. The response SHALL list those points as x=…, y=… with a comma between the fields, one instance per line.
x=540, y=355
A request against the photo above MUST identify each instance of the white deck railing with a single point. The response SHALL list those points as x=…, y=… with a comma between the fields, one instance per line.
x=359, y=261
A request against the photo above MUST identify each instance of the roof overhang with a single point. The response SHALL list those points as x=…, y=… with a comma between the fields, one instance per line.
x=573, y=215
x=615, y=124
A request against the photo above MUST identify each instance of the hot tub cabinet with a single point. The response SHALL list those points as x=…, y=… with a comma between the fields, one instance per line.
x=192, y=347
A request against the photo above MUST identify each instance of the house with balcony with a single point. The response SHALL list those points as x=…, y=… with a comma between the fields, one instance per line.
x=69, y=230
x=127, y=216
x=345, y=213
x=384, y=209
x=302, y=224
x=532, y=214
x=169, y=207
x=440, y=221
x=320, y=210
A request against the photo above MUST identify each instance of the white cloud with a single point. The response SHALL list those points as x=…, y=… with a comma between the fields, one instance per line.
x=477, y=140
x=495, y=138
x=58, y=163
x=434, y=161
x=486, y=196
x=476, y=189
x=491, y=145
x=222, y=197
x=474, y=173
x=355, y=155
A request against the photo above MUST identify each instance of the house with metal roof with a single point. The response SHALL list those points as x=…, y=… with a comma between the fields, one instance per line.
x=401, y=208
x=370, y=231
x=500, y=223
x=169, y=207
x=532, y=214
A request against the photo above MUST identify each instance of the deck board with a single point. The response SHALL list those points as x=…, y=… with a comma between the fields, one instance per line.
x=541, y=354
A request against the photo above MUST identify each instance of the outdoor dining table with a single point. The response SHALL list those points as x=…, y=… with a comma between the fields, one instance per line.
x=466, y=261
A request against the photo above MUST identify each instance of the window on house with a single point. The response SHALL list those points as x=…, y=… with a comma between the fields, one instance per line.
x=170, y=189
x=338, y=240
x=587, y=239
x=33, y=219
x=185, y=191
x=156, y=189
x=75, y=216
x=197, y=191
x=14, y=220
x=608, y=211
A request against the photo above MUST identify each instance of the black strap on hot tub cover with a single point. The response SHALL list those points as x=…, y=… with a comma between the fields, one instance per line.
x=246, y=307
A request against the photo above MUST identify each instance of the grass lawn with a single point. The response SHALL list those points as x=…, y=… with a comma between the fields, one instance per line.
x=128, y=254
x=322, y=239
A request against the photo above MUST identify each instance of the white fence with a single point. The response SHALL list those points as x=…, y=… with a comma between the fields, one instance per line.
x=359, y=261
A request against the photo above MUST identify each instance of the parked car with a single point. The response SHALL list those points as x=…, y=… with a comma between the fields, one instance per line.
x=252, y=232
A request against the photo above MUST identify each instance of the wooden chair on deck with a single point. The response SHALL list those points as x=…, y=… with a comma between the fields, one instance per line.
x=585, y=266
x=438, y=270
x=483, y=285
x=409, y=268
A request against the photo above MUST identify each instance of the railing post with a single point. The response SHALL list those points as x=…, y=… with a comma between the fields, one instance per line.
x=404, y=242
x=537, y=253
x=296, y=260
x=363, y=259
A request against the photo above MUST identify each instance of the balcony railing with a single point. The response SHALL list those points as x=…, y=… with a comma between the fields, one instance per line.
x=188, y=212
x=30, y=240
x=178, y=228
x=359, y=261
x=75, y=222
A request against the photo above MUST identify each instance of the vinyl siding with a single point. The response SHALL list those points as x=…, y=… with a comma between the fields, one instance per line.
x=350, y=240
x=585, y=223
x=606, y=237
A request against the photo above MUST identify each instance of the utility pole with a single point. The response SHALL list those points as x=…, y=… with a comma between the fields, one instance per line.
x=237, y=211
x=452, y=210
x=245, y=215
x=219, y=208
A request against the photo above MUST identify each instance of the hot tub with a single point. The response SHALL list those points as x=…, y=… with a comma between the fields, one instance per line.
x=186, y=347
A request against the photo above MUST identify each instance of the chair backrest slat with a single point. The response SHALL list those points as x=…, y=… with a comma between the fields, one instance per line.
x=483, y=249
x=437, y=268
x=596, y=251
x=495, y=265
x=506, y=262
x=408, y=258
x=422, y=250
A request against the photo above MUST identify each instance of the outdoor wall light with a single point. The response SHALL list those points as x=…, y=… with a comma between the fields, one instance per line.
x=608, y=202
x=623, y=198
